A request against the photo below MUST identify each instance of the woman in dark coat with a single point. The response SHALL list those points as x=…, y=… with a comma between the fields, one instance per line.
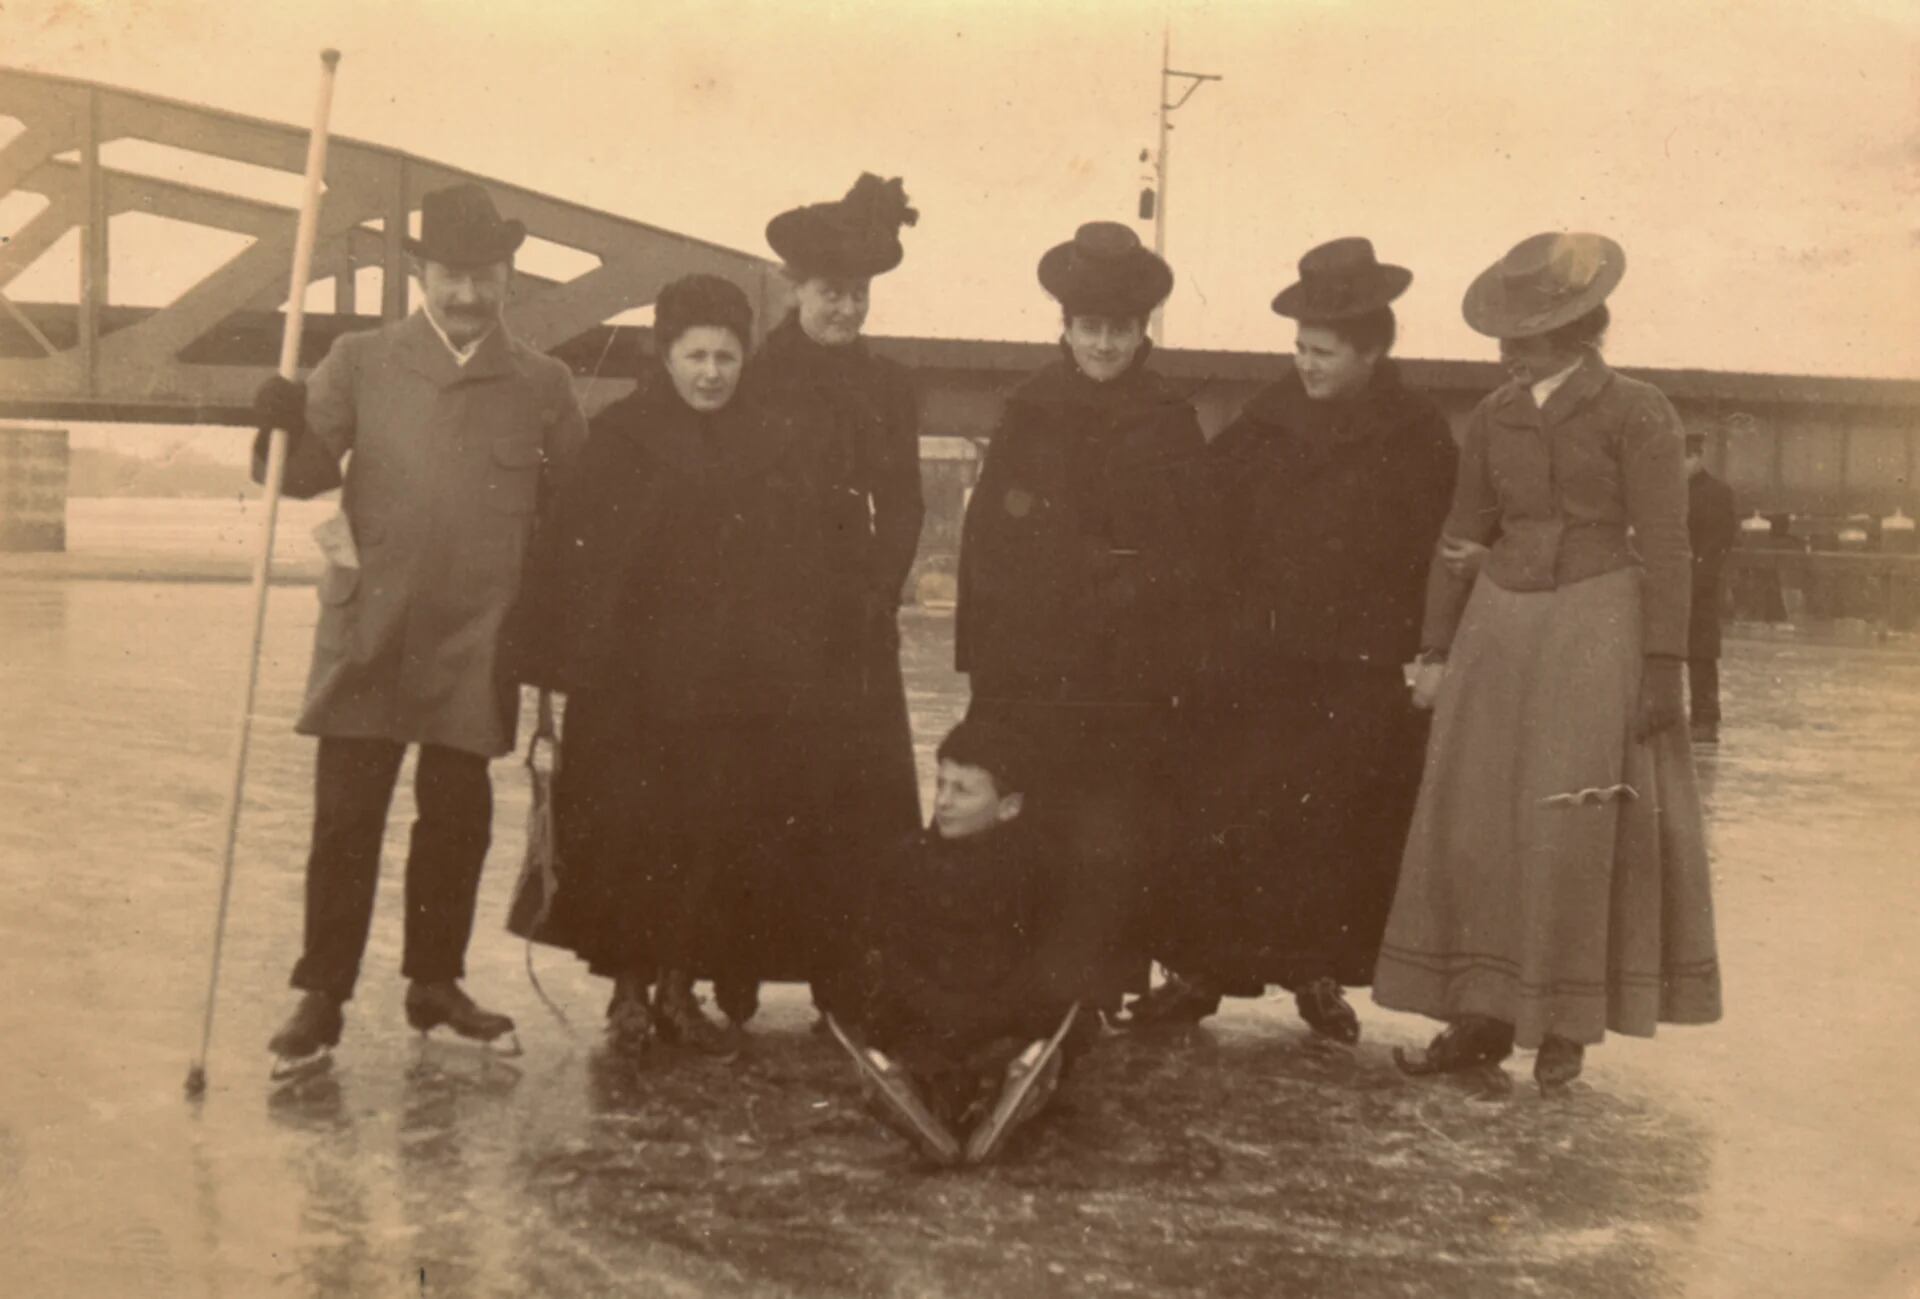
x=1083, y=558
x=864, y=417
x=686, y=627
x=1335, y=481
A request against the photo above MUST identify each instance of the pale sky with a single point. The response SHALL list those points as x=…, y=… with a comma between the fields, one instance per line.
x=1760, y=161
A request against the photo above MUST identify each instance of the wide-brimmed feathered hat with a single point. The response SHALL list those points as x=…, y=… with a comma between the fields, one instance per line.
x=1543, y=282
x=858, y=235
x=1104, y=271
x=1339, y=280
x=459, y=226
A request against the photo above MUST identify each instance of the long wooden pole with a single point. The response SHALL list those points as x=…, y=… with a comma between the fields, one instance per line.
x=303, y=242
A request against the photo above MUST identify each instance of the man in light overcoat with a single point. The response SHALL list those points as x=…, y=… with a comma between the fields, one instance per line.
x=449, y=429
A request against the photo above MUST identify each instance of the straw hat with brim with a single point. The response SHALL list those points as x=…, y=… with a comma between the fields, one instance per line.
x=1104, y=271
x=1543, y=283
x=1340, y=280
x=459, y=226
x=856, y=236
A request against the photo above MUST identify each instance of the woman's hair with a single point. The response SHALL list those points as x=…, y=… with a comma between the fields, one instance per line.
x=997, y=749
x=1589, y=330
x=1068, y=313
x=1372, y=331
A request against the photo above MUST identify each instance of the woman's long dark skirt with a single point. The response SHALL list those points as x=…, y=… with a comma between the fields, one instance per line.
x=677, y=840
x=1109, y=797
x=1307, y=797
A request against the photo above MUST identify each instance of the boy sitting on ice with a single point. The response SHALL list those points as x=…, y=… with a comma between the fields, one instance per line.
x=962, y=1022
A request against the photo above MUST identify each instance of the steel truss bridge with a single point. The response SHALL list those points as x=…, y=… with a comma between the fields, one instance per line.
x=196, y=357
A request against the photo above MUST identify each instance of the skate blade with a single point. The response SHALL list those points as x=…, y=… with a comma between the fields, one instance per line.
x=898, y=1108
x=505, y=1047
x=1023, y=1097
x=288, y=1071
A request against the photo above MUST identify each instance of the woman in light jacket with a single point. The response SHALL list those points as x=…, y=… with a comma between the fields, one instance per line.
x=1554, y=885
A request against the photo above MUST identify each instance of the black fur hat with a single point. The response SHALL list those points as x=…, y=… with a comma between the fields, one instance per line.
x=694, y=300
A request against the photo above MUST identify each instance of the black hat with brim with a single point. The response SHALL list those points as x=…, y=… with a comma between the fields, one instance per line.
x=857, y=236
x=1104, y=271
x=1339, y=280
x=459, y=226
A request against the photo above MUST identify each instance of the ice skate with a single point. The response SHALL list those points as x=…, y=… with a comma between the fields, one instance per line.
x=1177, y=1001
x=1324, y=1007
x=304, y=1045
x=629, y=1019
x=679, y=1019
x=1031, y=1079
x=445, y=1003
x=1558, y=1063
x=1465, y=1044
x=896, y=1101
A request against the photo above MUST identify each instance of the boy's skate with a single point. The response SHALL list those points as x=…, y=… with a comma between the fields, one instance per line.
x=898, y=1101
x=1031, y=1079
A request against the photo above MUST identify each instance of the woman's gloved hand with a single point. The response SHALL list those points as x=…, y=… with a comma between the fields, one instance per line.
x=1428, y=673
x=1662, y=696
x=1462, y=558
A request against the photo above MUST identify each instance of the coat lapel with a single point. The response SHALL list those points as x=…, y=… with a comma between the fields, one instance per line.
x=493, y=359
x=423, y=351
x=1580, y=388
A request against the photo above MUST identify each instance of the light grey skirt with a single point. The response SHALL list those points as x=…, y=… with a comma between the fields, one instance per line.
x=1555, y=875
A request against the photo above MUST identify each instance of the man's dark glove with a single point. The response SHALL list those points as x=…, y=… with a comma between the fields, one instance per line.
x=281, y=403
x=277, y=403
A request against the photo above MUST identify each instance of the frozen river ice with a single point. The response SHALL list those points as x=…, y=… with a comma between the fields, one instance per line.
x=1774, y=1154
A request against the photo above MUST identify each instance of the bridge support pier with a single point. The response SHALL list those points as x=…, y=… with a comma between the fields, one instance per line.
x=33, y=489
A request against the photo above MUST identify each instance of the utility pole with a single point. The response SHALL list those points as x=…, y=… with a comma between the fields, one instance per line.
x=1193, y=81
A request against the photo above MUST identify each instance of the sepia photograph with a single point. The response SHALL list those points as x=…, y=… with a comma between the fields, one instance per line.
x=911, y=649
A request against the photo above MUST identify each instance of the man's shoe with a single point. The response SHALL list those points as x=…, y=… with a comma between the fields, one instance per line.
x=1324, y=1007
x=444, y=1002
x=312, y=1029
x=1467, y=1043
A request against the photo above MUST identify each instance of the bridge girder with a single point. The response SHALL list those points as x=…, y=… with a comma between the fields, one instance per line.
x=198, y=357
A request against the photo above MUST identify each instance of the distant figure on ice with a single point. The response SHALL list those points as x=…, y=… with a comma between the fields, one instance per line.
x=1333, y=484
x=864, y=418
x=1085, y=560
x=684, y=616
x=453, y=427
x=1555, y=882
x=963, y=1023
x=1713, y=526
